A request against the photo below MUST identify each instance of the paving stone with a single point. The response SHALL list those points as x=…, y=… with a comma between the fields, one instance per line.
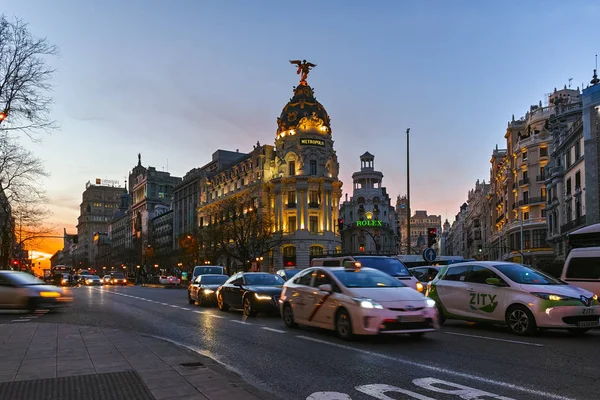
x=174, y=391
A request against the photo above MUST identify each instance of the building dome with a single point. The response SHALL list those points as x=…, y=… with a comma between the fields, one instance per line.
x=303, y=112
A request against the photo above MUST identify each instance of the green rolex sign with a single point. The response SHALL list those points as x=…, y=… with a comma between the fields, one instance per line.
x=369, y=222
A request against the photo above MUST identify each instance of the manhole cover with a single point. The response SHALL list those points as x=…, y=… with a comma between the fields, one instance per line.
x=192, y=364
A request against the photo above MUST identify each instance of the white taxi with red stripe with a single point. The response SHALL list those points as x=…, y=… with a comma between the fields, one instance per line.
x=356, y=301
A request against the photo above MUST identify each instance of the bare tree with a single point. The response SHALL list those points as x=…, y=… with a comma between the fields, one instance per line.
x=22, y=201
x=24, y=79
x=243, y=229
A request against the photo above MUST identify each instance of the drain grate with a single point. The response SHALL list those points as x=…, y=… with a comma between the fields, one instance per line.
x=192, y=364
x=110, y=386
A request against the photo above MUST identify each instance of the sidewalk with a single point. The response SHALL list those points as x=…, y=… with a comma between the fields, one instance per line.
x=70, y=362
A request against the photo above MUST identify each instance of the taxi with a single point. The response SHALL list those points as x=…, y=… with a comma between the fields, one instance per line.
x=352, y=300
x=521, y=297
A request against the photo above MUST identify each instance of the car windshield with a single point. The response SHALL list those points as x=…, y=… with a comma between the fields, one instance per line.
x=390, y=266
x=525, y=275
x=22, y=278
x=290, y=272
x=264, y=279
x=213, y=280
x=118, y=275
x=92, y=277
x=366, y=279
x=207, y=270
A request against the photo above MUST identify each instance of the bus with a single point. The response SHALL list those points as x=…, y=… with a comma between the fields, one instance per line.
x=588, y=236
x=418, y=261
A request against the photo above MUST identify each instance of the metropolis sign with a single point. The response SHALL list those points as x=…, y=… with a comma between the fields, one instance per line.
x=369, y=222
x=312, y=142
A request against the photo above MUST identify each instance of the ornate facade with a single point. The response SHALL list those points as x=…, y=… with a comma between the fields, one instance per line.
x=296, y=182
x=369, y=217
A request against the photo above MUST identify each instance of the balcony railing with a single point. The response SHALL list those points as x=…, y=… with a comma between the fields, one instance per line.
x=540, y=178
x=532, y=200
x=313, y=204
x=524, y=181
x=577, y=222
x=291, y=205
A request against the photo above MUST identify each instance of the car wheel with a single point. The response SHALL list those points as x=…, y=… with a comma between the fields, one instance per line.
x=190, y=300
x=33, y=304
x=221, y=303
x=288, y=316
x=520, y=320
x=578, y=331
x=248, y=311
x=343, y=324
x=441, y=316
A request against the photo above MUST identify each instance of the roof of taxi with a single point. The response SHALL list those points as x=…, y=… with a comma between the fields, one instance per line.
x=487, y=263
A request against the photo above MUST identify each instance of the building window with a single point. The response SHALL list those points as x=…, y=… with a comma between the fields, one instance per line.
x=313, y=198
x=291, y=168
x=524, y=155
x=291, y=198
x=525, y=176
x=525, y=197
x=525, y=215
x=578, y=208
x=577, y=150
x=568, y=186
x=313, y=167
x=289, y=256
x=292, y=227
x=539, y=238
x=315, y=251
x=543, y=151
x=578, y=180
x=568, y=158
x=313, y=224
x=568, y=210
x=543, y=193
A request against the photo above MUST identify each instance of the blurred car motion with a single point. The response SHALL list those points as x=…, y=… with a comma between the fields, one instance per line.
x=19, y=290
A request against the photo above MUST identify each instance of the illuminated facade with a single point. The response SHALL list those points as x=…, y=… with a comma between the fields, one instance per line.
x=369, y=217
x=296, y=181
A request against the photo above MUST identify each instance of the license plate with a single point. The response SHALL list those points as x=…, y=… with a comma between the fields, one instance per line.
x=411, y=318
x=587, y=311
x=587, y=324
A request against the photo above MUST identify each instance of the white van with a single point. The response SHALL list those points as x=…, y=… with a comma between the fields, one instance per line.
x=390, y=265
x=582, y=268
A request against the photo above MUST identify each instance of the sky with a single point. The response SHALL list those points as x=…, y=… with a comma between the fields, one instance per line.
x=176, y=80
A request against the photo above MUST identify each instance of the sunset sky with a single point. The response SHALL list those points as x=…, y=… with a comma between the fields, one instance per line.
x=177, y=80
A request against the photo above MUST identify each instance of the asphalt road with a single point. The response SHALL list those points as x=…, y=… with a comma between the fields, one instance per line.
x=462, y=361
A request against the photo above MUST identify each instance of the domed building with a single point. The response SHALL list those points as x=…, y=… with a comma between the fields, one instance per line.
x=305, y=190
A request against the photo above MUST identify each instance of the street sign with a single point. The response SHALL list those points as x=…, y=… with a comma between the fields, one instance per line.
x=429, y=254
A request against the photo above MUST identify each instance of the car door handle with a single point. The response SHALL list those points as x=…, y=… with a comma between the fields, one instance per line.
x=470, y=289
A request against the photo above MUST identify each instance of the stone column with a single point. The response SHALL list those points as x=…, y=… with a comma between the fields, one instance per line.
x=298, y=209
x=305, y=208
x=324, y=211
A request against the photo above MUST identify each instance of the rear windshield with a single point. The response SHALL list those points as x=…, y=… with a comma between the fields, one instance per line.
x=118, y=275
x=212, y=280
x=364, y=278
x=391, y=266
x=207, y=270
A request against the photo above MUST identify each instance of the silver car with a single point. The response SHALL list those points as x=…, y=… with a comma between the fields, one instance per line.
x=19, y=290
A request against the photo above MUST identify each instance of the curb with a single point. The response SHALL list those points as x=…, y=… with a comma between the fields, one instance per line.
x=259, y=389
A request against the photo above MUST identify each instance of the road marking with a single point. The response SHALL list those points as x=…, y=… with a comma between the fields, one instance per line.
x=186, y=309
x=20, y=320
x=164, y=304
x=174, y=306
x=200, y=312
x=241, y=322
x=216, y=316
x=442, y=370
x=266, y=328
x=496, y=339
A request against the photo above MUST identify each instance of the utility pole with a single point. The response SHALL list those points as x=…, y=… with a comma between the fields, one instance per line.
x=408, y=239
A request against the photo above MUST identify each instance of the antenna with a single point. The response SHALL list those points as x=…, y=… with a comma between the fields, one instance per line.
x=167, y=164
x=570, y=79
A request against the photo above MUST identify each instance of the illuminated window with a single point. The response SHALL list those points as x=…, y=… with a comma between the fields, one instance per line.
x=291, y=168
x=313, y=167
x=313, y=224
x=292, y=223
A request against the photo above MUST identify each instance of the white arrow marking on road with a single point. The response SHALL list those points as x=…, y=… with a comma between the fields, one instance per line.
x=266, y=328
x=496, y=339
x=464, y=392
x=434, y=368
x=329, y=396
x=378, y=391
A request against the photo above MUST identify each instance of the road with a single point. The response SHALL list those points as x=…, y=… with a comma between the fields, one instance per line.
x=461, y=361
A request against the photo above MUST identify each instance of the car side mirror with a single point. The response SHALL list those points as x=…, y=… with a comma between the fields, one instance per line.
x=325, y=288
x=493, y=282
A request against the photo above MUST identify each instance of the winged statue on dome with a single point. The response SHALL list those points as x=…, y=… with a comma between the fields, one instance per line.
x=303, y=69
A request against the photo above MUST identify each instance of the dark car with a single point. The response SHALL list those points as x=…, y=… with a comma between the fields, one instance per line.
x=118, y=278
x=254, y=292
x=204, y=288
x=287, y=273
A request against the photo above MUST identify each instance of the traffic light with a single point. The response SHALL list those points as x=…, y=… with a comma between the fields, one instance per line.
x=340, y=224
x=431, y=236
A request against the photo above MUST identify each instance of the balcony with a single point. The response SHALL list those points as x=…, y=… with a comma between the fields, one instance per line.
x=532, y=200
x=569, y=226
x=313, y=204
x=524, y=181
x=291, y=205
x=540, y=178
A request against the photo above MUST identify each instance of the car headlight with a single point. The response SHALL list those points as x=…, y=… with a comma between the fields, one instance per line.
x=430, y=302
x=263, y=296
x=368, y=303
x=552, y=297
x=420, y=286
x=49, y=294
x=209, y=291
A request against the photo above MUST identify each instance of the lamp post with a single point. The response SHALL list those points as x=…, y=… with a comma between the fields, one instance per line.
x=408, y=239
